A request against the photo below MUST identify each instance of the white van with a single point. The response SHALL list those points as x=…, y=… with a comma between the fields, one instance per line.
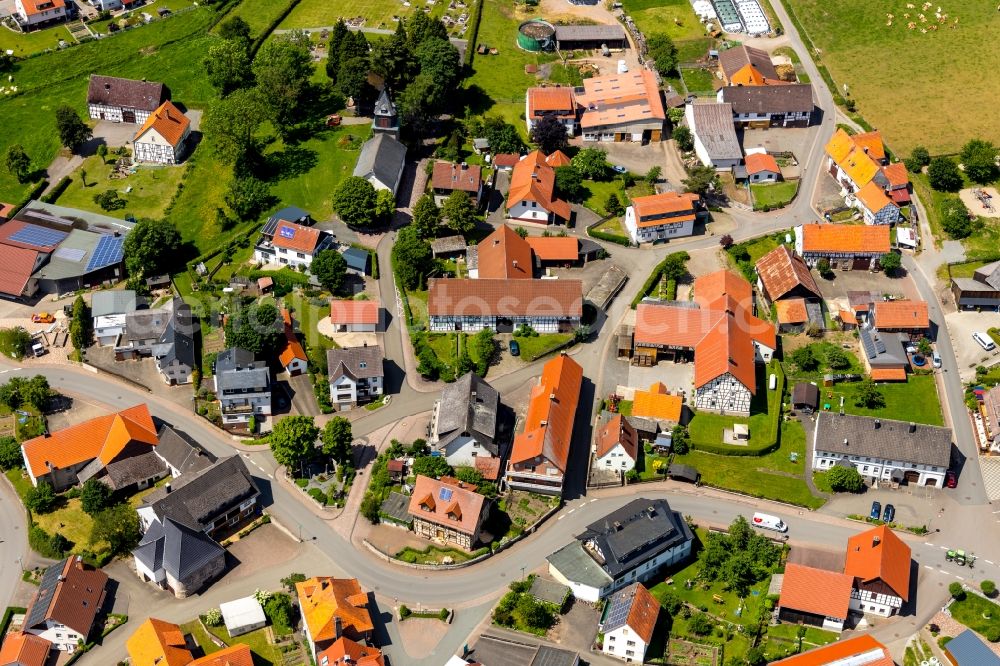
x=984, y=341
x=768, y=522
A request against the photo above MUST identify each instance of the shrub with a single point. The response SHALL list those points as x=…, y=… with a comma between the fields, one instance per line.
x=989, y=588
x=845, y=479
x=404, y=611
x=992, y=634
x=956, y=591
x=317, y=495
x=700, y=624
x=944, y=640
x=213, y=617
x=41, y=498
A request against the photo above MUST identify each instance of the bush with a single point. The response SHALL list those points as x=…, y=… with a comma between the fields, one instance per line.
x=944, y=640
x=992, y=634
x=317, y=495
x=700, y=624
x=989, y=588
x=845, y=479
x=956, y=591
x=404, y=611
x=52, y=546
x=41, y=498
x=213, y=617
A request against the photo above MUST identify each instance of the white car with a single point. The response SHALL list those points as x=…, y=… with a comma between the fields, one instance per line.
x=936, y=359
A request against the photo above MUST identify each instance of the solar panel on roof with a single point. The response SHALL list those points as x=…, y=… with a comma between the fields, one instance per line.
x=38, y=236
x=287, y=232
x=445, y=494
x=619, y=610
x=108, y=251
x=70, y=254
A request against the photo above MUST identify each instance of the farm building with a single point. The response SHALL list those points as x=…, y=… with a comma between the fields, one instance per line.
x=123, y=100
x=715, y=140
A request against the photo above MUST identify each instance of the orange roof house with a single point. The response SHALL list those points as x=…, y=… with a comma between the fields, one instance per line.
x=531, y=197
x=296, y=237
x=59, y=457
x=36, y=7
x=747, y=66
x=617, y=432
x=436, y=505
x=556, y=101
x=631, y=617
x=349, y=311
x=540, y=453
x=841, y=241
x=26, y=650
x=158, y=643
x=668, y=207
x=657, y=404
x=879, y=562
x=528, y=300
x=761, y=163
x=864, y=650
x=792, y=311
x=448, y=177
x=858, y=160
x=504, y=255
x=877, y=207
x=897, y=175
x=727, y=339
x=782, y=274
x=331, y=608
x=234, y=655
x=292, y=357
x=345, y=652
x=822, y=597
x=902, y=316
x=558, y=159
x=555, y=248
x=628, y=104
x=168, y=122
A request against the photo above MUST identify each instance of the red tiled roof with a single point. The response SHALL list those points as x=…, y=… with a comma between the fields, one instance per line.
x=558, y=101
x=296, y=237
x=10, y=228
x=872, y=141
x=834, y=653
x=505, y=298
x=659, y=207
x=759, y=162
x=558, y=159
x=617, y=99
x=506, y=160
x=16, y=266
x=463, y=177
x=792, y=311
x=643, y=612
x=548, y=427
x=873, y=197
x=534, y=180
x=554, y=248
x=168, y=121
x=781, y=271
x=293, y=348
x=234, y=655
x=488, y=467
x=25, y=650
x=504, y=254
x=617, y=431
x=104, y=437
x=722, y=331
x=324, y=600
x=900, y=196
x=446, y=504
x=888, y=374
x=77, y=597
x=345, y=311
x=819, y=237
x=32, y=7
x=658, y=404
x=816, y=591
x=878, y=554
x=157, y=643
x=896, y=174
x=901, y=314
x=345, y=652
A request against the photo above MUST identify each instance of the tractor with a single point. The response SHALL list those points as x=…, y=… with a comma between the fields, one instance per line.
x=960, y=558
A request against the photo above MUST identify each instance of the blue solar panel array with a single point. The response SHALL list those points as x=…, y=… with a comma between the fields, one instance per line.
x=287, y=232
x=621, y=604
x=38, y=236
x=445, y=494
x=108, y=251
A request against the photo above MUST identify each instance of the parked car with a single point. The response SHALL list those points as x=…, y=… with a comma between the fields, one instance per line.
x=950, y=480
x=876, y=510
x=42, y=318
x=618, y=169
x=515, y=349
x=889, y=514
x=936, y=359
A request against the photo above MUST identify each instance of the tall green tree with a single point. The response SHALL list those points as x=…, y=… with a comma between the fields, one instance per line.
x=502, y=136
x=293, y=441
x=41, y=498
x=36, y=392
x=955, y=218
x=421, y=27
x=701, y=180
x=869, y=395
x=232, y=125
x=352, y=81
x=80, y=326
x=944, y=175
x=333, y=46
x=235, y=28
x=228, y=66
x=426, y=217
x=283, y=69
x=393, y=61
x=153, y=247
x=980, y=161
x=17, y=162
x=73, y=132
x=94, y=496
x=439, y=63
x=459, y=212
x=337, y=439
x=685, y=140
x=845, y=479
x=890, y=263
x=256, y=327
x=412, y=259
x=592, y=163
x=10, y=453
x=248, y=196
x=662, y=51
x=119, y=526
x=354, y=201
x=330, y=269
x=385, y=205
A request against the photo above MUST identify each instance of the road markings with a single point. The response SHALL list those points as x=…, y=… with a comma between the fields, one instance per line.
x=989, y=561
x=592, y=501
x=927, y=566
x=571, y=511
x=943, y=547
x=958, y=577
x=561, y=517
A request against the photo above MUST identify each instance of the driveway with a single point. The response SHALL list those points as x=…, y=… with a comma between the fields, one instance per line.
x=110, y=134
x=961, y=326
x=303, y=397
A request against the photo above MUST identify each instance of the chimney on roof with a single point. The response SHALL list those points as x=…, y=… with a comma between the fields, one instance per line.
x=514, y=262
x=878, y=424
x=543, y=423
x=338, y=626
x=552, y=396
x=845, y=442
x=617, y=526
x=107, y=86
x=865, y=149
x=167, y=488
x=913, y=427
x=875, y=541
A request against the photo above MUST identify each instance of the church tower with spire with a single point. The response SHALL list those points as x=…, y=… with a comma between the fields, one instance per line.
x=386, y=119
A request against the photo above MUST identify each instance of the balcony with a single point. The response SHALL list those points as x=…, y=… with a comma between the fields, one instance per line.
x=238, y=409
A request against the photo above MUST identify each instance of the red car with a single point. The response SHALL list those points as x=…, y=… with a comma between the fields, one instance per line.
x=950, y=480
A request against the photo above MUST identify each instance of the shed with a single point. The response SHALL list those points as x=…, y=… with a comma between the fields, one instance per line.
x=357, y=260
x=805, y=395
x=396, y=509
x=242, y=615
x=448, y=246
x=679, y=472
x=396, y=469
x=549, y=591
x=264, y=284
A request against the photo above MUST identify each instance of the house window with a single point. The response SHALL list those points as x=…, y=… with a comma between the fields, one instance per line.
x=611, y=638
x=631, y=644
x=363, y=364
x=629, y=653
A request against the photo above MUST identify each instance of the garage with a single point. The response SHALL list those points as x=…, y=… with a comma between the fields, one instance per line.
x=590, y=37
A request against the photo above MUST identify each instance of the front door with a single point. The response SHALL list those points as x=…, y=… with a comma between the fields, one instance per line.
x=128, y=116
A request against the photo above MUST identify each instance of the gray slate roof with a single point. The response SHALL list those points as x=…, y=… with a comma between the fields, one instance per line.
x=110, y=302
x=891, y=440
x=196, y=499
x=548, y=591
x=633, y=534
x=382, y=157
x=355, y=362
x=883, y=349
x=384, y=105
x=146, y=324
x=236, y=369
x=793, y=98
x=713, y=125
x=469, y=405
x=447, y=245
x=805, y=393
x=177, y=340
x=573, y=562
x=575, y=33
x=123, y=473
x=177, y=549
x=127, y=93
x=357, y=259
x=181, y=453
x=967, y=649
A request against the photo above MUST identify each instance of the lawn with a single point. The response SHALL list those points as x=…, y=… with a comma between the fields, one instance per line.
x=257, y=13
x=539, y=345
x=152, y=187
x=613, y=225
x=965, y=270
x=914, y=400
x=970, y=610
x=418, y=306
x=308, y=315
x=445, y=346
x=690, y=50
x=323, y=13
x=433, y=555
x=33, y=42
x=774, y=195
x=263, y=652
x=853, y=34
x=756, y=248
x=170, y=51
x=698, y=81
x=676, y=18
x=598, y=192
x=70, y=521
x=773, y=476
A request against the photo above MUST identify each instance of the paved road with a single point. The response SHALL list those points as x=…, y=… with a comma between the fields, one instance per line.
x=13, y=542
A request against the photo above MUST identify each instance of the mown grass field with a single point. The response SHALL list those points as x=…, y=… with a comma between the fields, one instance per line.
x=380, y=13
x=674, y=17
x=152, y=188
x=257, y=13
x=170, y=51
x=930, y=89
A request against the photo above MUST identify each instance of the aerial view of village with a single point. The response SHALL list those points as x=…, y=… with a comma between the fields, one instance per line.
x=499, y=333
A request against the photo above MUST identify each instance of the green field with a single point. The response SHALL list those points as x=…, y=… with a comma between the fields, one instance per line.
x=914, y=400
x=152, y=189
x=170, y=51
x=774, y=195
x=698, y=80
x=676, y=18
x=379, y=13
x=257, y=13
x=949, y=76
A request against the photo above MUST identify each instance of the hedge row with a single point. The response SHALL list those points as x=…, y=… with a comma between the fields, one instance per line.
x=651, y=282
x=611, y=238
x=57, y=191
x=470, y=48
x=33, y=194
x=257, y=43
x=774, y=416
